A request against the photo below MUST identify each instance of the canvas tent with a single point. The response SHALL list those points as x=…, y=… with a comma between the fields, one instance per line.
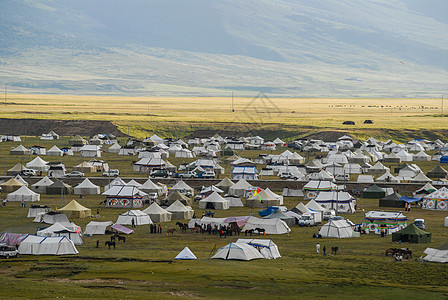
x=437, y=200
x=41, y=185
x=214, y=201
x=157, y=214
x=15, y=170
x=51, y=218
x=86, y=188
x=183, y=188
x=97, y=227
x=55, y=151
x=176, y=196
x=180, y=211
x=70, y=231
x=239, y=188
x=313, y=187
x=411, y=234
x=313, y=206
x=382, y=220
x=263, y=199
x=19, y=150
x=374, y=192
x=75, y=210
x=392, y=200
x=238, y=251
x=185, y=254
x=11, y=185
x=439, y=255
x=289, y=220
x=85, y=167
x=41, y=245
x=38, y=164
x=225, y=184
x=437, y=173
x=234, y=201
x=266, y=247
x=139, y=217
x=151, y=187
x=339, y=201
x=271, y=226
x=34, y=210
x=336, y=229
x=123, y=196
x=59, y=187
x=23, y=194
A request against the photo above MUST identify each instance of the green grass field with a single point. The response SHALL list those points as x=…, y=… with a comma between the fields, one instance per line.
x=145, y=266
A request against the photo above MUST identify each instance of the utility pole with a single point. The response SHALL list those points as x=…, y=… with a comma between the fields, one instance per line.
x=442, y=105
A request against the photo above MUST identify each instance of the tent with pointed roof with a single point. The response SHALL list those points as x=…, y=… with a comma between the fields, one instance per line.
x=392, y=158
x=411, y=234
x=117, y=181
x=183, y=188
x=425, y=190
x=378, y=168
x=180, y=211
x=289, y=220
x=387, y=177
x=34, y=210
x=374, y=192
x=15, y=170
x=58, y=229
x=151, y=187
x=55, y=151
x=439, y=255
x=340, y=201
x=336, y=229
x=19, y=150
x=225, y=184
x=85, y=167
x=115, y=148
x=134, y=183
x=97, y=227
x=23, y=194
x=214, y=201
x=234, y=201
x=176, y=196
x=313, y=187
x=11, y=185
x=437, y=200
x=41, y=185
x=271, y=226
x=301, y=209
x=185, y=254
x=124, y=196
x=267, y=247
x=75, y=210
x=262, y=199
x=57, y=186
x=392, y=200
x=139, y=217
x=437, y=172
x=51, y=217
x=41, y=245
x=157, y=213
x=420, y=178
x=38, y=164
x=239, y=188
x=20, y=179
x=313, y=206
x=77, y=140
x=237, y=251
x=422, y=156
x=86, y=188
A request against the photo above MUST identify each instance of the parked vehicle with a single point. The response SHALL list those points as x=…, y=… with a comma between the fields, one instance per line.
x=288, y=176
x=307, y=219
x=188, y=174
x=336, y=218
x=28, y=172
x=8, y=251
x=112, y=173
x=160, y=173
x=208, y=174
x=75, y=174
x=342, y=177
x=329, y=214
x=420, y=223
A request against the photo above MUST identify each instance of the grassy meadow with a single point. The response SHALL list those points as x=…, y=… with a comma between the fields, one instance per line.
x=144, y=266
x=177, y=117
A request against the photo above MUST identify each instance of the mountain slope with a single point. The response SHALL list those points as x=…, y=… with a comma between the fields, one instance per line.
x=208, y=47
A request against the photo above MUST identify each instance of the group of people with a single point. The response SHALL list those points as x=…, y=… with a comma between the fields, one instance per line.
x=154, y=228
x=407, y=207
x=324, y=249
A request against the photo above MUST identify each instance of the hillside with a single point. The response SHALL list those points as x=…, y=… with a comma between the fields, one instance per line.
x=327, y=48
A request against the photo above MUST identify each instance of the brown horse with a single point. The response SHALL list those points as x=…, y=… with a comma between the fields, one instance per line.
x=168, y=231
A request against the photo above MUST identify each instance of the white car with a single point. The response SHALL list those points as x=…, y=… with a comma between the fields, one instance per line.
x=8, y=251
x=112, y=173
x=75, y=174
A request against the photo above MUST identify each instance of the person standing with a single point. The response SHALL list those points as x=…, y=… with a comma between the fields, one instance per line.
x=133, y=223
x=318, y=248
x=323, y=250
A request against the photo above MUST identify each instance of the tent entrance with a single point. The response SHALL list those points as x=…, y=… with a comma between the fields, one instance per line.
x=210, y=205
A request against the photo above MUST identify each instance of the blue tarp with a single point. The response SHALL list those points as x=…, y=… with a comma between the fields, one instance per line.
x=409, y=199
x=444, y=159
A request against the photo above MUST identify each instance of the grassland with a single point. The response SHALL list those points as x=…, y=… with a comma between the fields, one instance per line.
x=144, y=266
x=399, y=119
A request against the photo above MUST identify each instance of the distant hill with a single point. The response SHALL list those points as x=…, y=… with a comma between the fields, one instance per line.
x=293, y=48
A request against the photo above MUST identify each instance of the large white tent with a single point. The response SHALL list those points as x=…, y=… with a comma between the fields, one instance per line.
x=97, y=227
x=41, y=185
x=157, y=214
x=183, y=188
x=180, y=211
x=55, y=151
x=336, y=229
x=267, y=247
x=86, y=188
x=57, y=229
x=23, y=194
x=339, y=201
x=139, y=217
x=214, y=201
x=38, y=164
x=42, y=245
x=239, y=188
x=238, y=251
x=151, y=187
x=271, y=226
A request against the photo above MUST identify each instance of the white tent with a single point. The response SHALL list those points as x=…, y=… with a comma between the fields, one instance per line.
x=437, y=200
x=388, y=177
x=58, y=229
x=97, y=227
x=185, y=254
x=264, y=199
x=157, y=214
x=38, y=164
x=183, y=188
x=115, y=182
x=139, y=217
x=134, y=183
x=23, y=194
x=214, y=201
x=234, y=201
x=115, y=148
x=19, y=150
x=237, y=251
x=55, y=151
x=405, y=156
x=271, y=226
x=336, y=229
x=420, y=178
x=437, y=255
x=86, y=188
x=21, y=180
x=51, y=218
x=41, y=245
x=240, y=187
x=365, y=179
x=422, y=156
x=339, y=201
x=315, y=207
x=267, y=248
x=34, y=210
x=180, y=211
x=41, y=185
x=151, y=187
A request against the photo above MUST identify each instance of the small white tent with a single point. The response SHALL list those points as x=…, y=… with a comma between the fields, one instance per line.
x=158, y=214
x=214, y=201
x=237, y=251
x=41, y=245
x=41, y=185
x=180, y=211
x=86, y=188
x=58, y=229
x=336, y=229
x=185, y=254
x=97, y=227
x=139, y=217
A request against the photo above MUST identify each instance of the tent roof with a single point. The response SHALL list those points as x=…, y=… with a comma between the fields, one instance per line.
x=186, y=254
x=412, y=229
x=37, y=162
x=12, y=182
x=149, y=185
x=181, y=185
x=86, y=184
x=176, y=195
x=17, y=168
x=177, y=206
x=441, y=194
x=23, y=190
x=225, y=182
x=73, y=206
x=155, y=209
x=214, y=197
x=314, y=206
x=44, y=182
x=302, y=208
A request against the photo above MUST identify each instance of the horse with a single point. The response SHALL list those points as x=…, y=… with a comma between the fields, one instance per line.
x=334, y=250
x=121, y=238
x=233, y=226
x=182, y=226
x=250, y=231
x=112, y=238
x=168, y=231
x=391, y=251
x=405, y=252
x=260, y=230
x=107, y=243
